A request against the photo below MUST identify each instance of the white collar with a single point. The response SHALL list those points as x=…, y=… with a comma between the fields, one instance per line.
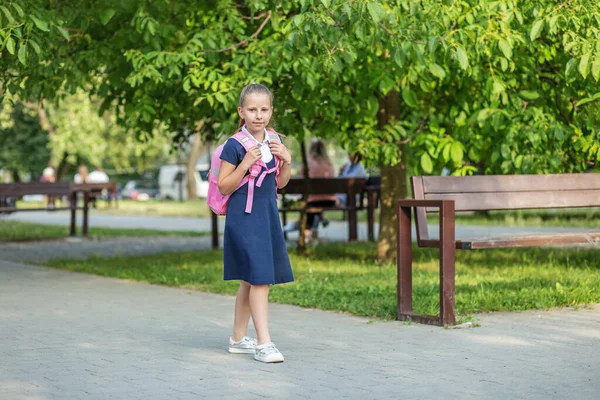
x=245, y=130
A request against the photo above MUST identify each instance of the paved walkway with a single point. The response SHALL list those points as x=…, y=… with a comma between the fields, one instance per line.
x=75, y=336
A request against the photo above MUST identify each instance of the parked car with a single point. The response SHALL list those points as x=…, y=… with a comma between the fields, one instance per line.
x=172, y=181
x=140, y=190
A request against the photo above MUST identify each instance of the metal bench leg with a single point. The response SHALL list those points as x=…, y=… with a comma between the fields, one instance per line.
x=215, y=230
x=447, y=265
x=86, y=205
x=404, y=263
x=73, y=230
x=352, y=218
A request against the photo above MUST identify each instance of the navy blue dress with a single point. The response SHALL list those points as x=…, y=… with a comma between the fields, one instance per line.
x=254, y=248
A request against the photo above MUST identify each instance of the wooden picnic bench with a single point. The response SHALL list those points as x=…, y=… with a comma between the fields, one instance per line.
x=97, y=190
x=481, y=193
x=348, y=186
x=59, y=189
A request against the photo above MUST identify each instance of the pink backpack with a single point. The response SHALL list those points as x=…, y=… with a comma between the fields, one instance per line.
x=216, y=201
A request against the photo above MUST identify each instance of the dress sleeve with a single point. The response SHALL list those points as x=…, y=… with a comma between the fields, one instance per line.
x=233, y=152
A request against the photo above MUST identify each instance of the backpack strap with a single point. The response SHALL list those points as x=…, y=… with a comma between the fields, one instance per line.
x=255, y=170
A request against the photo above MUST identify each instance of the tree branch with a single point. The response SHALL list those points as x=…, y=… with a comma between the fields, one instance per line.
x=245, y=41
x=259, y=16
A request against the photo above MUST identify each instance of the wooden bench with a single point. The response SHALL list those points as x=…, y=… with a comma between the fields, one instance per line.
x=18, y=190
x=349, y=186
x=481, y=193
x=96, y=190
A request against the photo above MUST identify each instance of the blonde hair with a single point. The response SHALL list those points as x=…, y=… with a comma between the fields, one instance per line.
x=251, y=89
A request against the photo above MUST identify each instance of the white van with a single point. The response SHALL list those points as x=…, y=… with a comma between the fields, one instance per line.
x=172, y=182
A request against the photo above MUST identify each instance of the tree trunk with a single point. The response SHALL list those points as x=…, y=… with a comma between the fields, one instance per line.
x=393, y=183
x=195, y=153
x=63, y=167
x=302, y=227
x=48, y=127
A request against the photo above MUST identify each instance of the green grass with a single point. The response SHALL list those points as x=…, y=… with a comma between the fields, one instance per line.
x=16, y=231
x=154, y=208
x=345, y=278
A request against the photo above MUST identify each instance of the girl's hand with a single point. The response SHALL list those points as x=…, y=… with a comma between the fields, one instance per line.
x=251, y=157
x=279, y=150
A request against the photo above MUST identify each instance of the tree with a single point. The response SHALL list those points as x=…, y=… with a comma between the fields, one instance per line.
x=476, y=86
x=23, y=143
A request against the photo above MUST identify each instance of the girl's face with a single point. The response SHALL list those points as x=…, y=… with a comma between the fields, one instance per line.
x=256, y=112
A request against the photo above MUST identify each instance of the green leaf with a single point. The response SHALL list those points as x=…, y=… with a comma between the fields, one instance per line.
x=41, y=25
x=503, y=64
x=584, y=64
x=377, y=12
x=426, y=163
x=518, y=162
x=10, y=46
x=409, y=97
x=9, y=16
x=588, y=100
x=506, y=48
x=19, y=9
x=596, y=69
x=36, y=47
x=433, y=42
x=529, y=95
x=461, y=55
x=456, y=152
x=505, y=151
x=536, y=30
x=22, y=54
x=106, y=15
x=446, y=152
x=326, y=3
x=437, y=71
x=63, y=32
x=570, y=67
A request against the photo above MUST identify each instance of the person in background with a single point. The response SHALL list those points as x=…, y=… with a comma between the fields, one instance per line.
x=97, y=176
x=319, y=166
x=352, y=169
x=82, y=174
x=48, y=176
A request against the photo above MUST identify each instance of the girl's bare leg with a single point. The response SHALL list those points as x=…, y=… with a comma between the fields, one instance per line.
x=259, y=304
x=242, y=311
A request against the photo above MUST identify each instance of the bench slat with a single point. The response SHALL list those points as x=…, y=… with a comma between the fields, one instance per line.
x=531, y=240
x=22, y=189
x=324, y=185
x=520, y=200
x=14, y=209
x=509, y=183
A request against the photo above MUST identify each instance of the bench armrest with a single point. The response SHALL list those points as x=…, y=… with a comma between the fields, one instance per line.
x=447, y=215
x=424, y=203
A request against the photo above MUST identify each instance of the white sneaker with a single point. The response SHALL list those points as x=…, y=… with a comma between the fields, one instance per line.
x=245, y=346
x=268, y=353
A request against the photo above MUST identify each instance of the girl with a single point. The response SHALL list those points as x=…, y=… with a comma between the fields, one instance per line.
x=254, y=248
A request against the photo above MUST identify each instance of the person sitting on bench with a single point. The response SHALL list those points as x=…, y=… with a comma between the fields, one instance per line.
x=319, y=166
